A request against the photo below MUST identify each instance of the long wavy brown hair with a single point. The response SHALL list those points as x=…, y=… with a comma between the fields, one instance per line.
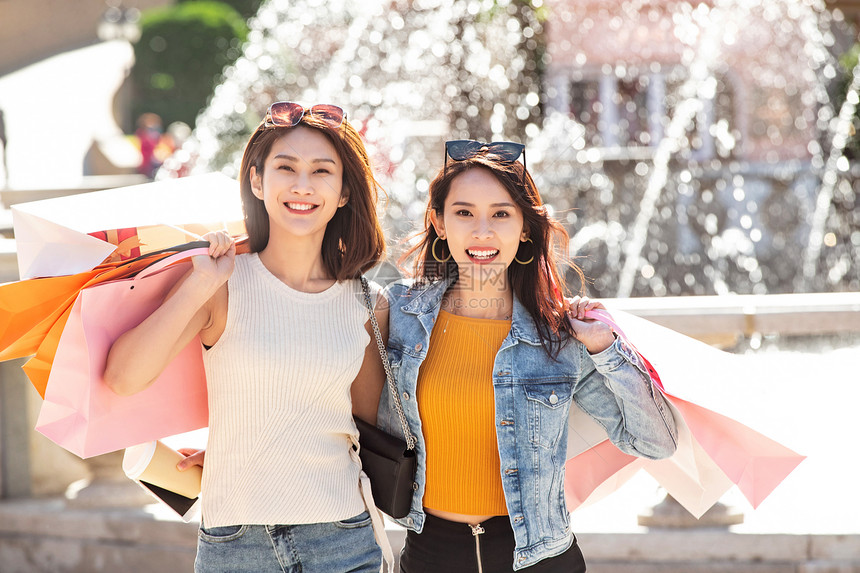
x=353, y=242
x=538, y=285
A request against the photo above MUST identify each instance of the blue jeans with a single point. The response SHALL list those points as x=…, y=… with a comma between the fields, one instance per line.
x=346, y=546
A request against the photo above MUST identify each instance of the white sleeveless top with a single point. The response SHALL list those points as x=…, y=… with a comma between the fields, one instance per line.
x=280, y=413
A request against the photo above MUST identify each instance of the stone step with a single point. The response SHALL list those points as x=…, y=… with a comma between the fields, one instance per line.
x=45, y=535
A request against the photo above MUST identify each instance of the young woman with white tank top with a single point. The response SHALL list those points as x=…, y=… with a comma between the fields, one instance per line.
x=285, y=335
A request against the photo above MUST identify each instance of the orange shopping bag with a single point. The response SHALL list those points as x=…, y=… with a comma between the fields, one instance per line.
x=23, y=304
x=34, y=328
x=42, y=329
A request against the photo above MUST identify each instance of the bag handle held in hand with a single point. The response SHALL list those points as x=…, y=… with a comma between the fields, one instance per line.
x=606, y=318
x=175, y=258
x=174, y=249
x=389, y=377
x=603, y=316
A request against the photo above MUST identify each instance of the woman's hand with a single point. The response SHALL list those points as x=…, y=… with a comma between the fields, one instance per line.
x=189, y=309
x=595, y=335
x=192, y=458
x=218, y=266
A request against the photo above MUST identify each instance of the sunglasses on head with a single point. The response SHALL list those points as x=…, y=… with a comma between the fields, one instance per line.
x=463, y=149
x=289, y=114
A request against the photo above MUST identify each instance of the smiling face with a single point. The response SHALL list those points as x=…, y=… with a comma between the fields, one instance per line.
x=301, y=184
x=482, y=224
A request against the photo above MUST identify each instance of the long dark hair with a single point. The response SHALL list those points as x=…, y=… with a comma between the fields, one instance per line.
x=538, y=284
x=353, y=241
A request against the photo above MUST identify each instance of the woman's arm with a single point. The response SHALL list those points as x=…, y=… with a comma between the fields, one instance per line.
x=617, y=391
x=139, y=356
x=368, y=385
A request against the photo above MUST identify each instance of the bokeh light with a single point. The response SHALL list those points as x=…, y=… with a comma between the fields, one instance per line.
x=689, y=147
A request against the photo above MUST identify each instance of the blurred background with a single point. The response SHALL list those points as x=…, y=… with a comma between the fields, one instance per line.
x=704, y=148
x=690, y=147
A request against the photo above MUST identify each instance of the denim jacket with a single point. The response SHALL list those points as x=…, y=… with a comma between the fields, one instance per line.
x=533, y=396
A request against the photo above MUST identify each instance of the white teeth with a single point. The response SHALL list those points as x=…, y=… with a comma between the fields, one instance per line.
x=482, y=254
x=300, y=206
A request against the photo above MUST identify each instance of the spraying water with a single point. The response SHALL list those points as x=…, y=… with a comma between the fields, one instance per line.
x=830, y=177
x=699, y=210
x=698, y=87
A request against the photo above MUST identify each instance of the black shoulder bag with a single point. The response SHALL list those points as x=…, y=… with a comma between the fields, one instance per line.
x=388, y=461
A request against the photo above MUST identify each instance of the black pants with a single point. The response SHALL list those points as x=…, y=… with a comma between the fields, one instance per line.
x=449, y=547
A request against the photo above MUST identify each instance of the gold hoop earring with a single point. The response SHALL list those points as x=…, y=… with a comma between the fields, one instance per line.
x=435, y=256
x=528, y=261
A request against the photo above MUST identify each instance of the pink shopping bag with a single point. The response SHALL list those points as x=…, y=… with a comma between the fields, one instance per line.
x=80, y=413
x=714, y=451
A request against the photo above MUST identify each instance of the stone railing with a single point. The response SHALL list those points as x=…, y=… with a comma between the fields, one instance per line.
x=719, y=319
x=9, y=197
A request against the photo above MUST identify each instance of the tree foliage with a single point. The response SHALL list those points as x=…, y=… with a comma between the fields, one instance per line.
x=180, y=56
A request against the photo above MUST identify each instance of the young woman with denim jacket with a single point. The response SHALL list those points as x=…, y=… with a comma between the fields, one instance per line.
x=488, y=358
x=285, y=336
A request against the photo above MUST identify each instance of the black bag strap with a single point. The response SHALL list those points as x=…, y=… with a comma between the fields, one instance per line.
x=174, y=249
x=389, y=377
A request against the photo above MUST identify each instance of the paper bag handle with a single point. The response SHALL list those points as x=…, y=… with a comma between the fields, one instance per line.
x=606, y=318
x=172, y=259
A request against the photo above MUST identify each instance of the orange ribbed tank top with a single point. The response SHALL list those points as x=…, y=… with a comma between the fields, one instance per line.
x=457, y=407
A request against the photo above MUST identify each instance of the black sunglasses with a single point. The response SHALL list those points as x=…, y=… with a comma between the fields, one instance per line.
x=289, y=114
x=463, y=149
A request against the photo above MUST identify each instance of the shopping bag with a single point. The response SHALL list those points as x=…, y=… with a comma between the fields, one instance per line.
x=80, y=413
x=28, y=307
x=715, y=451
x=23, y=304
x=127, y=242
x=73, y=234
x=152, y=465
x=35, y=328
x=595, y=466
x=42, y=329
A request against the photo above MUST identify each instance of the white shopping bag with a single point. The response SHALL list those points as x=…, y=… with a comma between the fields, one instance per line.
x=72, y=234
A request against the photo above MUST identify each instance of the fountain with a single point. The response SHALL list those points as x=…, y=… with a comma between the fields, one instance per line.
x=717, y=194
x=397, y=69
x=723, y=194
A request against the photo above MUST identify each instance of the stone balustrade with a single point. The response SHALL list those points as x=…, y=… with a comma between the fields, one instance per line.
x=11, y=196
